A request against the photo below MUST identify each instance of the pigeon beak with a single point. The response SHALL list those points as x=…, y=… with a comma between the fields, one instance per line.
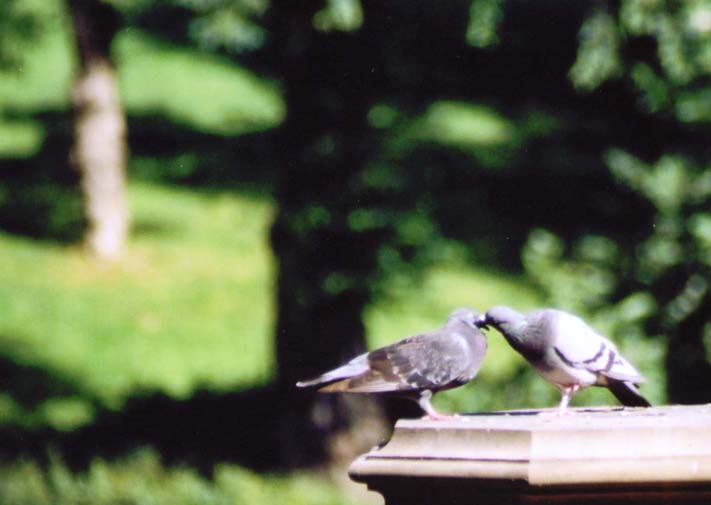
x=482, y=323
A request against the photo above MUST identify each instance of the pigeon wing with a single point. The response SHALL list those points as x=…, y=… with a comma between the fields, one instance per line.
x=579, y=346
x=427, y=361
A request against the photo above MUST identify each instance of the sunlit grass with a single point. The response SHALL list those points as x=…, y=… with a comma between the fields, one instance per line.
x=201, y=91
x=191, y=304
x=40, y=83
x=43, y=79
x=167, y=80
x=20, y=138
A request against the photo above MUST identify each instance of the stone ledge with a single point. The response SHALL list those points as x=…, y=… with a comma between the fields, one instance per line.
x=526, y=452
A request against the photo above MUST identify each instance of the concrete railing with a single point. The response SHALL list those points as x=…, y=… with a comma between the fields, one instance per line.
x=597, y=455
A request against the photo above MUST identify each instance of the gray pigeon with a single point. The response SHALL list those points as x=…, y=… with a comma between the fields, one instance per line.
x=415, y=367
x=568, y=353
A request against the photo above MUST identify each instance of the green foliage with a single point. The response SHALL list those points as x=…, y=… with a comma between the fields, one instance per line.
x=649, y=291
x=237, y=26
x=464, y=125
x=598, y=59
x=232, y=26
x=406, y=309
x=627, y=292
x=227, y=25
x=673, y=78
x=586, y=280
x=450, y=142
x=681, y=193
x=484, y=19
x=571, y=286
x=141, y=479
x=339, y=15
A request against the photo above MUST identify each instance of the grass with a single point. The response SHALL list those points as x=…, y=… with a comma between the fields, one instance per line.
x=43, y=80
x=205, y=92
x=142, y=479
x=166, y=80
x=104, y=332
x=190, y=306
x=41, y=83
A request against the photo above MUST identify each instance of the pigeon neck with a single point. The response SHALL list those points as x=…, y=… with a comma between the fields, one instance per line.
x=515, y=332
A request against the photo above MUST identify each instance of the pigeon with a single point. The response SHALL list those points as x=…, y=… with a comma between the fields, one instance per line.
x=415, y=367
x=568, y=353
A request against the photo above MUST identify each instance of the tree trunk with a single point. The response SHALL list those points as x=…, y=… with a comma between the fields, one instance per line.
x=324, y=267
x=99, y=151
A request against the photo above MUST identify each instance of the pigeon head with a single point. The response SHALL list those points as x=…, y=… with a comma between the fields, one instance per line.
x=504, y=319
x=466, y=316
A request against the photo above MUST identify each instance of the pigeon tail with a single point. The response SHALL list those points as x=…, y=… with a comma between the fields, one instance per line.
x=628, y=394
x=310, y=382
x=355, y=367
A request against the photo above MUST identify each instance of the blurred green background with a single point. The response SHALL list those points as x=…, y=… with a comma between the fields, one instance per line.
x=304, y=178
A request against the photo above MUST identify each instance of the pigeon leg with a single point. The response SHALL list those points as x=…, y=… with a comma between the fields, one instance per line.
x=426, y=405
x=564, y=402
x=568, y=393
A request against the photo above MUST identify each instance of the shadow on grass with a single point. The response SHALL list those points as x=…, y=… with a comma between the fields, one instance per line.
x=244, y=428
x=30, y=385
x=40, y=196
x=206, y=429
x=201, y=431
